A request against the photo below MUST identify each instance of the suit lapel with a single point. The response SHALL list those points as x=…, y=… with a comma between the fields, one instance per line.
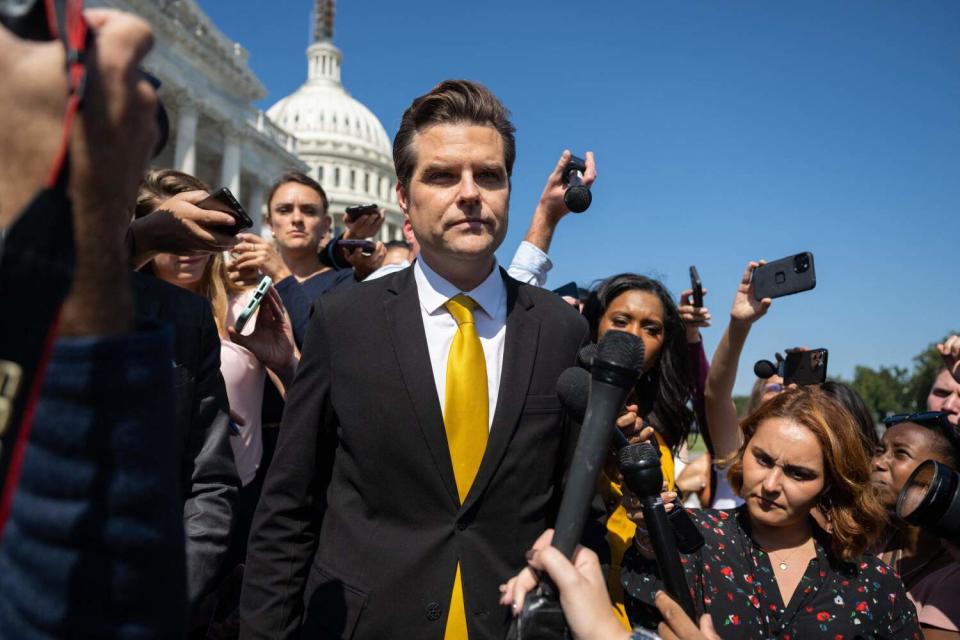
x=519, y=355
x=405, y=324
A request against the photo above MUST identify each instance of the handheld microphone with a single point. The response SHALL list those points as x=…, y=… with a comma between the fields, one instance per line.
x=616, y=367
x=640, y=467
x=577, y=197
x=764, y=369
x=573, y=389
x=586, y=355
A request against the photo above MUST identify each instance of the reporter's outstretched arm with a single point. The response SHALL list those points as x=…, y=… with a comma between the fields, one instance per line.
x=677, y=625
x=531, y=263
x=583, y=590
x=718, y=395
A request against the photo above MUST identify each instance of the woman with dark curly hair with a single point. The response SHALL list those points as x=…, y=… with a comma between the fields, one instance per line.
x=643, y=306
x=767, y=569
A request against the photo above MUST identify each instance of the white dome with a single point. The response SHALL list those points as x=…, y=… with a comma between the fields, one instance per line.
x=326, y=120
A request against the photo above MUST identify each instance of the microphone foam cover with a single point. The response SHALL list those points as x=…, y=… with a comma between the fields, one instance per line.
x=577, y=199
x=586, y=355
x=622, y=350
x=641, y=453
x=764, y=369
x=573, y=389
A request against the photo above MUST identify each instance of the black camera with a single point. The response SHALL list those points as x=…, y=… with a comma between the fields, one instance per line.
x=801, y=262
x=931, y=498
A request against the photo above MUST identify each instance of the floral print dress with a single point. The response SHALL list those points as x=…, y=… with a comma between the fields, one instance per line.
x=732, y=579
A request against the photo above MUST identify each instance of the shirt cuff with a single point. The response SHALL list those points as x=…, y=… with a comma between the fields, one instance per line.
x=530, y=264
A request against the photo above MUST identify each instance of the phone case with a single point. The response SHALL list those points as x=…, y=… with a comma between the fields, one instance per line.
x=223, y=200
x=784, y=277
x=254, y=304
x=805, y=367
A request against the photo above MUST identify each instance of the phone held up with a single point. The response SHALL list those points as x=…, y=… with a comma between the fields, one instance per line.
x=784, y=277
x=223, y=200
x=359, y=210
x=697, y=287
x=366, y=246
x=258, y=295
x=801, y=368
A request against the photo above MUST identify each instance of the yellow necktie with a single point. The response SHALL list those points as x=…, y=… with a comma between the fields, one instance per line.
x=465, y=419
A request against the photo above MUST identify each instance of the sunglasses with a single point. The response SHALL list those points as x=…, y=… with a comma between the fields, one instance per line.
x=925, y=418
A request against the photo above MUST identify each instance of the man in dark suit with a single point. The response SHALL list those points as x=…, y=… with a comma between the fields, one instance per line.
x=209, y=484
x=422, y=447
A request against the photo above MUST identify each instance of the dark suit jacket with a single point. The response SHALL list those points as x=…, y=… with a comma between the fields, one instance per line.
x=363, y=452
x=209, y=484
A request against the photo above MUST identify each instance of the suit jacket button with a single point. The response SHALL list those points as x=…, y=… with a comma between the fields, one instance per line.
x=462, y=525
x=433, y=611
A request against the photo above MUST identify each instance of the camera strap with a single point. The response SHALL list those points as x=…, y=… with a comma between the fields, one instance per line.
x=36, y=265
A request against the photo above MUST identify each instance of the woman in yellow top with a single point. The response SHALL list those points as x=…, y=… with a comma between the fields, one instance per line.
x=643, y=306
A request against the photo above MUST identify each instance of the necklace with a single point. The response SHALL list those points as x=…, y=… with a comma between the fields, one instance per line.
x=782, y=562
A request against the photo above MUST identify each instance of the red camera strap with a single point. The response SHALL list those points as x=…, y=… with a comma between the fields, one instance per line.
x=65, y=21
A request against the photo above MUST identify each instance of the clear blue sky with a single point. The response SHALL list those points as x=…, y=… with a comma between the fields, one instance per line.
x=724, y=131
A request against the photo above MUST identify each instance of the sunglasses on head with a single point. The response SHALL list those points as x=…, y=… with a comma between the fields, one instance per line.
x=925, y=418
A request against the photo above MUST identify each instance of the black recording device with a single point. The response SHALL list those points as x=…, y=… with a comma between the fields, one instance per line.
x=640, y=467
x=366, y=246
x=28, y=19
x=616, y=367
x=697, y=286
x=931, y=499
x=802, y=368
x=354, y=212
x=577, y=197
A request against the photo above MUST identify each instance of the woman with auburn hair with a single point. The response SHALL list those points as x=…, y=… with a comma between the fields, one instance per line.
x=767, y=570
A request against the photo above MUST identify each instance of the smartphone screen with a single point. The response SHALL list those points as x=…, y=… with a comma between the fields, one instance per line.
x=805, y=367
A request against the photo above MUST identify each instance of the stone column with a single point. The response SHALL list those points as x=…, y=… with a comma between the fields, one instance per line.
x=255, y=206
x=185, y=154
x=230, y=167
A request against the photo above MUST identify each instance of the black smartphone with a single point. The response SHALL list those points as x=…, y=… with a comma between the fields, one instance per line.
x=365, y=246
x=784, y=277
x=697, y=287
x=570, y=290
x=361, y=209
x=223, y=200
x=804, y=368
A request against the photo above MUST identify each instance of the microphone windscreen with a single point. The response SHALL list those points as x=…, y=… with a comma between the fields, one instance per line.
x=586, y=355
x=641, y=453
x=620, y=350
x=573, y=389
x=764, y=369
x=577, y=199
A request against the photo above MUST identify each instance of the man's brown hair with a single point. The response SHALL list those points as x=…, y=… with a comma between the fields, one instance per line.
x=452, y=102
x=299, y=178
x=852, y=508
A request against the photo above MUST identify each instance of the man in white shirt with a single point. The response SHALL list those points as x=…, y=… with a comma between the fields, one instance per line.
x=423, y=446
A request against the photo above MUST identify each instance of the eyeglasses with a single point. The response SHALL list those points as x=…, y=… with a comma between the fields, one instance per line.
x=773, y=387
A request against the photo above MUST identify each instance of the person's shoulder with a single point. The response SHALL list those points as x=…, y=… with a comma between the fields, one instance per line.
x=358, y=297
x=549, y=306
x=169, y=302
x=716, y=521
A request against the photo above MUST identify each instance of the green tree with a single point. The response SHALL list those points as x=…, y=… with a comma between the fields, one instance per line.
x=885, y=390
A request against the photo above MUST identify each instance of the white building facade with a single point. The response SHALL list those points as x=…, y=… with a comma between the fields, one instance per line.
x=208, y=90
x=341, y=140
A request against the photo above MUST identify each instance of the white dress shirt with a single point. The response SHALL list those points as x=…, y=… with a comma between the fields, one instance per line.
x=490, y=318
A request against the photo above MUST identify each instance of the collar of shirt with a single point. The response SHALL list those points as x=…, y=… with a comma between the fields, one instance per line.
x=434, y=291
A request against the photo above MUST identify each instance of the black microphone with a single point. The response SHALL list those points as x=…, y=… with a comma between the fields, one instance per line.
x=640, y=467
x=764, y=369
x=573, y=389
x=616, y=367
x=586, y=355
x=577, y=197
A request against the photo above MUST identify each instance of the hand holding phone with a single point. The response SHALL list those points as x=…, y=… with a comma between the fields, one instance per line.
x=354, y=212
x=366, y=246
x=223, y=200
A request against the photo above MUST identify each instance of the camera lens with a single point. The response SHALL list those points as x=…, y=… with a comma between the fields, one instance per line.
x=801, y=262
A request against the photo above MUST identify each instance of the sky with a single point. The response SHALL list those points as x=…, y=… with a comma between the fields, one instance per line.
x=723, y=131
